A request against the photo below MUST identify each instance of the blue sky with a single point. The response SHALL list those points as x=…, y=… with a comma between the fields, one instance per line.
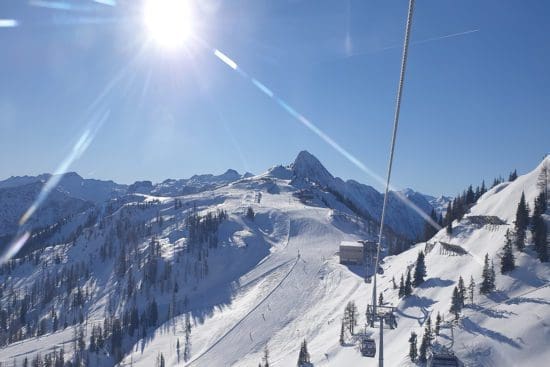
x=475, y=105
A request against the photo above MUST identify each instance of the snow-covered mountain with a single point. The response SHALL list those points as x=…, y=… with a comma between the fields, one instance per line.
x=73, y=185
x=75, y=195
x=364, y=200
x=16, y=200
x=197, y=183
x=439, y=203
x=253, y=263
x=306, y=173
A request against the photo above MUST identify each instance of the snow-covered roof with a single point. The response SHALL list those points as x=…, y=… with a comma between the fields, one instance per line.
x=351, y=244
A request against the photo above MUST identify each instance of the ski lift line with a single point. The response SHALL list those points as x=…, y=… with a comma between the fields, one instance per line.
x=394, y=139
x=390, y=166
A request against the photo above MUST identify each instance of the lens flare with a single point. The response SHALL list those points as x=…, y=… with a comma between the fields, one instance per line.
x=8, y=23
x=14, y=247
x=169, y=22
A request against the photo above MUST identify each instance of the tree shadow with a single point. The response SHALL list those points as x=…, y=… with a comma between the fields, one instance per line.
x=436, y=282
x=518, y=300
x=495, y=314
x=527, y=276
x=498, y=296
x=414, y=301
x=473, y=328
x=359, y=270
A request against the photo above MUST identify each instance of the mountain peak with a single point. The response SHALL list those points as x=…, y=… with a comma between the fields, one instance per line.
x=231, y=173
x=71, y=176
x=305, y=156
x=306, y=165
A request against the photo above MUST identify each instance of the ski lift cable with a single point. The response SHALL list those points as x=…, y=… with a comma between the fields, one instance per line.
x=393, y=141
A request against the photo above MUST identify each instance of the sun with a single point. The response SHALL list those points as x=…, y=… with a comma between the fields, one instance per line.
x=168, y=22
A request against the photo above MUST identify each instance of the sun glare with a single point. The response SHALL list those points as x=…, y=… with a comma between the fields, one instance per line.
x=169, y=22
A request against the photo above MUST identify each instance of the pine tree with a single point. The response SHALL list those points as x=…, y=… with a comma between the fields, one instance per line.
x=522, y=220
x=178, y=349
x=408, y=284
x=419, y=270
x=153, y=313
x=471, y=289
x=450, y=228
x=342, y=337
x=455, y=303
x=513, y=176
x=401, y=292
x=250, y=213
x=93, y=342
x=413, y=351
x=542, y=184
x=429, y=230
x=160, y=360
x=380, y=299
x=266, y=357
x=540, y=231
x=449, y=214
x=507, y=262
x=470, y=195
x=303, y=358
x=492, y=276
x=187, y=345
x=116, y=339
x=426, y=341
x=483, y=189
x=437, y=324
x=55, y=322
x=487, y=278
x=350, y=316
x=461, y=292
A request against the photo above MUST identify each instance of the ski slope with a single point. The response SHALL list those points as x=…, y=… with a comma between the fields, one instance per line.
x=306, y=298
x=276, y=280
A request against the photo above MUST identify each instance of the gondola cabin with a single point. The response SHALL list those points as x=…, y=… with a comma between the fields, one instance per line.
x=368, y=347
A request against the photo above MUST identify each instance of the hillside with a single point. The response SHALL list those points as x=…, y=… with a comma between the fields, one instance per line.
x=319, y=290
x=268, y=279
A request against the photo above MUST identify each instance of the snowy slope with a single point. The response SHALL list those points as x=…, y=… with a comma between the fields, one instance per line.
x=276, y=280
x=306, y=300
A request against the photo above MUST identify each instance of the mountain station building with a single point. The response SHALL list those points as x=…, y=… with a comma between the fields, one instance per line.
x=352, y=252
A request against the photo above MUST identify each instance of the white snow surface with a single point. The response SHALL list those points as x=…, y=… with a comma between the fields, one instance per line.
x=303, y=297
x=276, y=280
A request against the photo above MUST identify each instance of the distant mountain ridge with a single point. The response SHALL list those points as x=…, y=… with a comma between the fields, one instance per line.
x=305, y=172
